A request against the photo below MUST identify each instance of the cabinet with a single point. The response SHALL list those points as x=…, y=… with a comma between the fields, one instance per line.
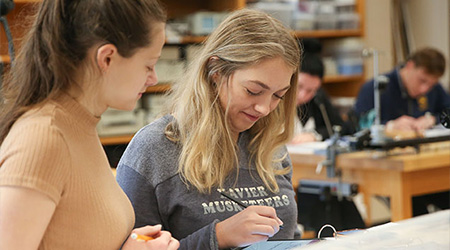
x=335, y=85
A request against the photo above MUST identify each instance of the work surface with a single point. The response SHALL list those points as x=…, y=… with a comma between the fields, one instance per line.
x=400, y=175
x=429, y=231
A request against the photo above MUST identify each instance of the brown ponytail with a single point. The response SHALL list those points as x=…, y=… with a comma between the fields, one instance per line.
x=58, y=42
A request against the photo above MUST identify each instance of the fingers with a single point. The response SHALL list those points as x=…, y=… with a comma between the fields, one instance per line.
x=262, y=220
x=406, y=123
x=265, y=211
x=164, y=241
x=161, y=239
x=148, y=230
x=269, y=229
x=401, y=123
x=173, y=244
x=164, y=236
x=253, y=224
x=268, y=216
x=424, y=122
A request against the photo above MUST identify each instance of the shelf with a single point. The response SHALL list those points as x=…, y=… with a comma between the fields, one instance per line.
x=27, y=1
x=115, y=140
x=158, y=88
x=327, y=33
x=5, y=59
x=164, y=87
x=298, y=34
x=125, y=139
x=193, y=39
x=343, y=78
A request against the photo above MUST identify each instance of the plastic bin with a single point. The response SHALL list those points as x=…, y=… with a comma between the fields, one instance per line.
x=347, y=21
x=279, y=10
x=350, y=66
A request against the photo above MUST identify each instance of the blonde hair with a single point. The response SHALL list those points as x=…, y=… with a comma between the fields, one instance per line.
x=208, y=153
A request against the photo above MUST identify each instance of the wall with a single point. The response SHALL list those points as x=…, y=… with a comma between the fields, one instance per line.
x=429, y=24
x=378, y=35
x=430, y=27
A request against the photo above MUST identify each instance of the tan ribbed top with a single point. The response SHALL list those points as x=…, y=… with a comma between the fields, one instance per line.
x=55, y=150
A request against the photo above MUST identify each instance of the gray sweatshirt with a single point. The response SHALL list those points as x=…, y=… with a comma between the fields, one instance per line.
x=147, y=172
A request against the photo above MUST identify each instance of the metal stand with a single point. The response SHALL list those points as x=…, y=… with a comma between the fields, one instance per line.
x=333, y=150
x=380, y=82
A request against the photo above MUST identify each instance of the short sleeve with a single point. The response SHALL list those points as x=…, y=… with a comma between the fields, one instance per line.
x=35, y=156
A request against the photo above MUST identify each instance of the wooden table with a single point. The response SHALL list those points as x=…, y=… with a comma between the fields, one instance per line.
x=398, y=176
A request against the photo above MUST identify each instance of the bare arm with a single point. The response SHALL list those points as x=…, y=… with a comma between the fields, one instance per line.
x=24, y=217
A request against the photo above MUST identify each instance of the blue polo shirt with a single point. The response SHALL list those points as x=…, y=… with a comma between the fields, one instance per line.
x=396, y=102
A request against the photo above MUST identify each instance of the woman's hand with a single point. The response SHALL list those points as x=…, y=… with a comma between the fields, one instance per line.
x=253, y=224
x=162, y=239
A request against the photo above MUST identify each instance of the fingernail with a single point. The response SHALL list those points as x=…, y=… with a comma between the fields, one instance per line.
x=280, y=222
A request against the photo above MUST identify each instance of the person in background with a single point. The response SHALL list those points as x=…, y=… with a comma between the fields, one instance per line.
x=57, y=190
x=412, y=101
x=413, y=97
x=316, y=116
x=224, y=130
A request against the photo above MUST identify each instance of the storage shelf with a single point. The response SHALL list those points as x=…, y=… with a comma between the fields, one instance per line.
x=343, y=78
x=115, y=140
x=5, y=59
x=298, y=34
x=327, y=33
x=125, y=139
x=159, y=88
x=192, y=39
x=27, y=1
x=339, y=85
x=163, y=87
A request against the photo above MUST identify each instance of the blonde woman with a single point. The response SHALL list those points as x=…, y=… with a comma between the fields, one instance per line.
x=225, y=130
x=56, y=186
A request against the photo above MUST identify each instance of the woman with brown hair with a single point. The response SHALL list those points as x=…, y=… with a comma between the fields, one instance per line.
x=56, y=187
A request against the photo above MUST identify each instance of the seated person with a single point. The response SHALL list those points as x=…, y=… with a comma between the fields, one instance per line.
x=412, y=101
x=225, y=129
x=315, y=114
x=413, y=98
